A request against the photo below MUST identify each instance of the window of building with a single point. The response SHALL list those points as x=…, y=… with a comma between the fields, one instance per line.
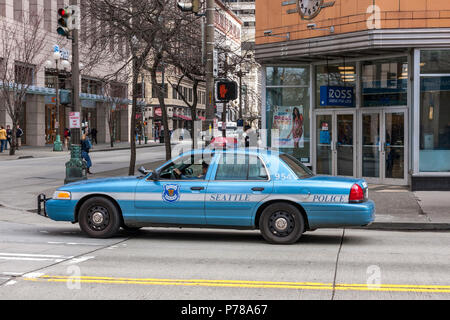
x=91, y=86
x=434, y=61
x=174, y=93
x=48, y=15
x=18, y=10
x=165, y=89
x=288, y=110
x=385, y=83
x=24, y=73
x=3, y=8
x=434, y=124
x=331, y=81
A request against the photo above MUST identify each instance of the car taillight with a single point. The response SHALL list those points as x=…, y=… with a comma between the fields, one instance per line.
x=356, y=193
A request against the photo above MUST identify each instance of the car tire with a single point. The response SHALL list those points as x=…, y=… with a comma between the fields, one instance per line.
x=281, y=223
x=99, y=218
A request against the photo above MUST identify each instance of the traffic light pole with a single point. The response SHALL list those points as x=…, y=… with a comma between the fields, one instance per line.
x=210, y=29
x=76, y=167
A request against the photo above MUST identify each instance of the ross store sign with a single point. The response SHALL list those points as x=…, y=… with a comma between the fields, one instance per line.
x=337, y=96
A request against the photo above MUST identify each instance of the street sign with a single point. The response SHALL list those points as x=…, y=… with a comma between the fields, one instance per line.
x=216, y=64
x=74, y=120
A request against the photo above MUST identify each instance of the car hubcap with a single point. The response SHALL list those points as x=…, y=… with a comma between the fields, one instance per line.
x=98, y=218
x=281, y=223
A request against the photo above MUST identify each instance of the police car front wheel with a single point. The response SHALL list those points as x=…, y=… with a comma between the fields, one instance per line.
x=281, y=223
x=99, y=218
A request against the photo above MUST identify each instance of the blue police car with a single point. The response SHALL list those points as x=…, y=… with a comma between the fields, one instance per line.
x=239, y=189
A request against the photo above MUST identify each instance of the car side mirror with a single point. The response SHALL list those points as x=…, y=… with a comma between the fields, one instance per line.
x=144, y=171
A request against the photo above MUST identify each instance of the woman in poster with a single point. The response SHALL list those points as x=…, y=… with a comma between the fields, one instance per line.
x=297, y=127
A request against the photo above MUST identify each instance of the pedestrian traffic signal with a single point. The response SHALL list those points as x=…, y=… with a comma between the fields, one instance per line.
x=226, y=90
x=64, y=14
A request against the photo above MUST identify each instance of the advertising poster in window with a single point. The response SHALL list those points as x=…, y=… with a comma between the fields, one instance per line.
x=289, y=122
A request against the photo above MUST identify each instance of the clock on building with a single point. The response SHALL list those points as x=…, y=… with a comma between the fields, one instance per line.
x=308, y=9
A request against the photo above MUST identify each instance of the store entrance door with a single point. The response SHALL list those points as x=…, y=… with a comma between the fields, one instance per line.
x=384, y=146
x=335, y=143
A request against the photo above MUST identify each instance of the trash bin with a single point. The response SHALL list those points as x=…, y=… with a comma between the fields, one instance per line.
x=146, y=139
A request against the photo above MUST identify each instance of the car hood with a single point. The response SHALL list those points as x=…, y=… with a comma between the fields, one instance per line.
x=101, y=184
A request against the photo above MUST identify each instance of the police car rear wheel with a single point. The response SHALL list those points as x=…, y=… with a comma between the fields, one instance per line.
x=99, y=218
x=281, y=223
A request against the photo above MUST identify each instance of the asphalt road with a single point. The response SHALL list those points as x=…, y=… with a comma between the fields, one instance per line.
x=43, y=259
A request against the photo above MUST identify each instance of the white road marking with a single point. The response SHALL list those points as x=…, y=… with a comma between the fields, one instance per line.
x=78, y=260
x=13, y=274
x=31, y=259
x=33, y=275
x=10, y=283
x=33, y=255
x=75, y=243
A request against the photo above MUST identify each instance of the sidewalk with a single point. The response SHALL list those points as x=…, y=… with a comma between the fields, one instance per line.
x=397, y=208
x=26, y=152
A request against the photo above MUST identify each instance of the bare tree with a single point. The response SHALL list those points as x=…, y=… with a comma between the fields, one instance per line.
x=136, y=24
x=21, y=58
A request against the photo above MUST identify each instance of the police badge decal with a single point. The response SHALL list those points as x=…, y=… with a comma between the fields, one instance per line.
x=171, y=193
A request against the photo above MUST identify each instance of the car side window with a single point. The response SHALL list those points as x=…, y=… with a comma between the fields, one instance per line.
x=185, y=168
x=240, y=167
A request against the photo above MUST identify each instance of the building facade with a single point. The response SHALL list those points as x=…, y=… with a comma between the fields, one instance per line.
x=251, y=77
x=359, y=88
x=41, y=119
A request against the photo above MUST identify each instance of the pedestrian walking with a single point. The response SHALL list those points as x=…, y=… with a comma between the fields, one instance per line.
x=94, y=135
x=2, y=138
x=66, y=137
x=85, y=147
x=9, y=134
x=19, y=134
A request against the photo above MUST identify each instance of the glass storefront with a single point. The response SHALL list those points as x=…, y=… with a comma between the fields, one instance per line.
x=434, y=154
x=288, y=110
x=385, y=83
x=336, y=77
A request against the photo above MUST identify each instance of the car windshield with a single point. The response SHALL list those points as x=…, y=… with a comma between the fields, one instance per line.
x=299, y=168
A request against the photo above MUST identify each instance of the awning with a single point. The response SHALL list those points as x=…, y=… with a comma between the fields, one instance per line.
x=202, y=118
x=182, y=117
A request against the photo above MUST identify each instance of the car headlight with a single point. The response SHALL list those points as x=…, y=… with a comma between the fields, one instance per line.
x=62, y=195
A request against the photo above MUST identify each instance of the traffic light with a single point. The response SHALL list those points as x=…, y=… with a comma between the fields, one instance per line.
x=193, y=6
x=64, y=16
x=226, y=90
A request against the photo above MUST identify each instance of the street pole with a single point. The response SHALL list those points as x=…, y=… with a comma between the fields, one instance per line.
x=57, y=144
x=210, y=29
x=76, y=168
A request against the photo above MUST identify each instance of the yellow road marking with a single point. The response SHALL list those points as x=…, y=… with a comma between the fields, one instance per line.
x=247, y=284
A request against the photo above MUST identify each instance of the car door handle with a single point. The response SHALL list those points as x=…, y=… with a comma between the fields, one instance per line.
x=258, y=189
x=197, y=188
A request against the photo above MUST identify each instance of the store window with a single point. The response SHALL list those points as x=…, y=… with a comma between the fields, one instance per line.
x=288, y=110
x=336, y=86
x=435, y=124
x=434, y=61
x=385, y=83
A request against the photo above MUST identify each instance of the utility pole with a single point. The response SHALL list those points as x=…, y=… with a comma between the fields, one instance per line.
x=210, y=29
x=76, y=168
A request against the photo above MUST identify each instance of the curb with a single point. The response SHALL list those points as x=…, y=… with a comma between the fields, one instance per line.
x=407, y=226
x=126, y=148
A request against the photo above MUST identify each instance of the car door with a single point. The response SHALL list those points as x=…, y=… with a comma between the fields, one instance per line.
x=172, y=199
x=238, y=183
